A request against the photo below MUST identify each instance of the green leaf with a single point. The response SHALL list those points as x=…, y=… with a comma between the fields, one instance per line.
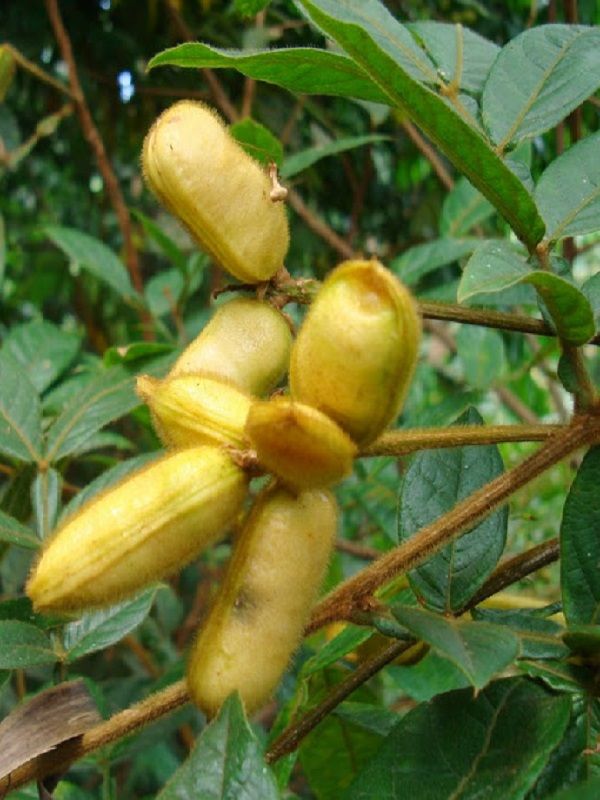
x=23, y=645
x=109, y=396
x=559, y=675
x=13, y=532
x=568, y=193
x=2, y=250
x=478, y=649
x=225, y=764
x=43, y=350
x=422, y=259
x=539, y=637
x=464, y=207
x=345, y=642
x=496, y=266
x=460, y=55
x=298, y=162
x=538, y=78
x=430, y=676
x=45, y=499
x=162, y=292
x=367, y=716
x=378, y=43
x=494, y=745
x=94, y=256
x=583, y=639
x=434, y=482
x=249, y=8
x=257, y=141
x=481, y=351
x=591, y=289
x=20, y=413
x=304, y=70
x=580, y=544
x=170, y=249
x=97, y=630
x=587, y=790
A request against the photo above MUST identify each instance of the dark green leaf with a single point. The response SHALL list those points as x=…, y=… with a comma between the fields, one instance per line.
x=587, y=790
x=109, y=396
x=580, y=544
x=43, y=350
x=430, y=676
x=13, y=532
x=304, y=70
x=568, y=193
x=422, y=259
x=225, y=764
x=435, y=481
x=170, y=249
x=479, y=650
x=23, y=645
x=257, y=141
x=462, y=57
x=162, y=293
x=481, y=351
x=492, y=746
x=298, y=162
x=591, y=289
x=367, y=716
x=538, y=78
x=45, y=500
x=2, y=250
x=250, y=7
x=378, y=43
x=345, y=642
x=97, y=630
x=20, y=413
x=583, y=639
x=539, y=637
x=94, y=256
x=464, y=207
x=496, y=266
x=559, y=675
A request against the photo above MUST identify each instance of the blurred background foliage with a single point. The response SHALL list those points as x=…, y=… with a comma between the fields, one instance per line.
x=380, y=199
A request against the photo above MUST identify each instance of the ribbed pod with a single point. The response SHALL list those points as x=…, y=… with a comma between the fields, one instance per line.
x=140, y=531
x=247, y=342
x=356, y=352
x=299, y=444
x=270, y=586
x=205, y=178
x=191, y=410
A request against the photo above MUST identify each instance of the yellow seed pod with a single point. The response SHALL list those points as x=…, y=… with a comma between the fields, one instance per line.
x=247, y=342
x=191, y=410
x=260, y=611
x=203, y=176
x=299, y=444
x=140, y=531
x=356, y=352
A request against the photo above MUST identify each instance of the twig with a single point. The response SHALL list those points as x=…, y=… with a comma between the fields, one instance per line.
x=430, y=154
x=92, y=135
x=358, y=550
x=319, y=226
x=340, y=603
x=39, y=73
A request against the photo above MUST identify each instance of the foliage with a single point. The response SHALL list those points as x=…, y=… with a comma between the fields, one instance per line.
x=457, y=142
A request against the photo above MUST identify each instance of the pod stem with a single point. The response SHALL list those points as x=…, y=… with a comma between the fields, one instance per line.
x=357, y=591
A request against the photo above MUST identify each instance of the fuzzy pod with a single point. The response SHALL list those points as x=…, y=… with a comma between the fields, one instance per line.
x=191, y=410
x=202, y=175
x=247, y=342
x=299, y=444
x=139, y=531
x=271, y=583
x=356, y=352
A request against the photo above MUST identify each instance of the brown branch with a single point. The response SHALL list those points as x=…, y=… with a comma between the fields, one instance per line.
x=318, y=226
x=430, y=154
x=92, y=135
x=358, y=590
x=33, y=68
x=356, y=549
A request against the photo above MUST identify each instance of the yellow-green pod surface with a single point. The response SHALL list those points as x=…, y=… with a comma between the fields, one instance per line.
x=203, y=176
x=142, y=530
x=247, y=342
x=260, y=611
x=356, y=352
x=299, y=444
x=191, y=410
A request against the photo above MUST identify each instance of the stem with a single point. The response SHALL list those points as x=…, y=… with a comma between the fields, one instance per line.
x=318, y=226
x=39, y=73
x=400, y=442
x=464, y=516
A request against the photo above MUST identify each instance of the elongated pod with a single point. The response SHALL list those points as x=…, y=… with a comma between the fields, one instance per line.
x=356, y=352
x=270, y=586
x=144, y=529
x=190, y=410
x=299, y=444
x=247, y=342
x=202, y=175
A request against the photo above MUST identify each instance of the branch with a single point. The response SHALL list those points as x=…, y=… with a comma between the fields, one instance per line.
x=318, y=226
x=357, y=591
x=92, y=135
x=430, y=154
